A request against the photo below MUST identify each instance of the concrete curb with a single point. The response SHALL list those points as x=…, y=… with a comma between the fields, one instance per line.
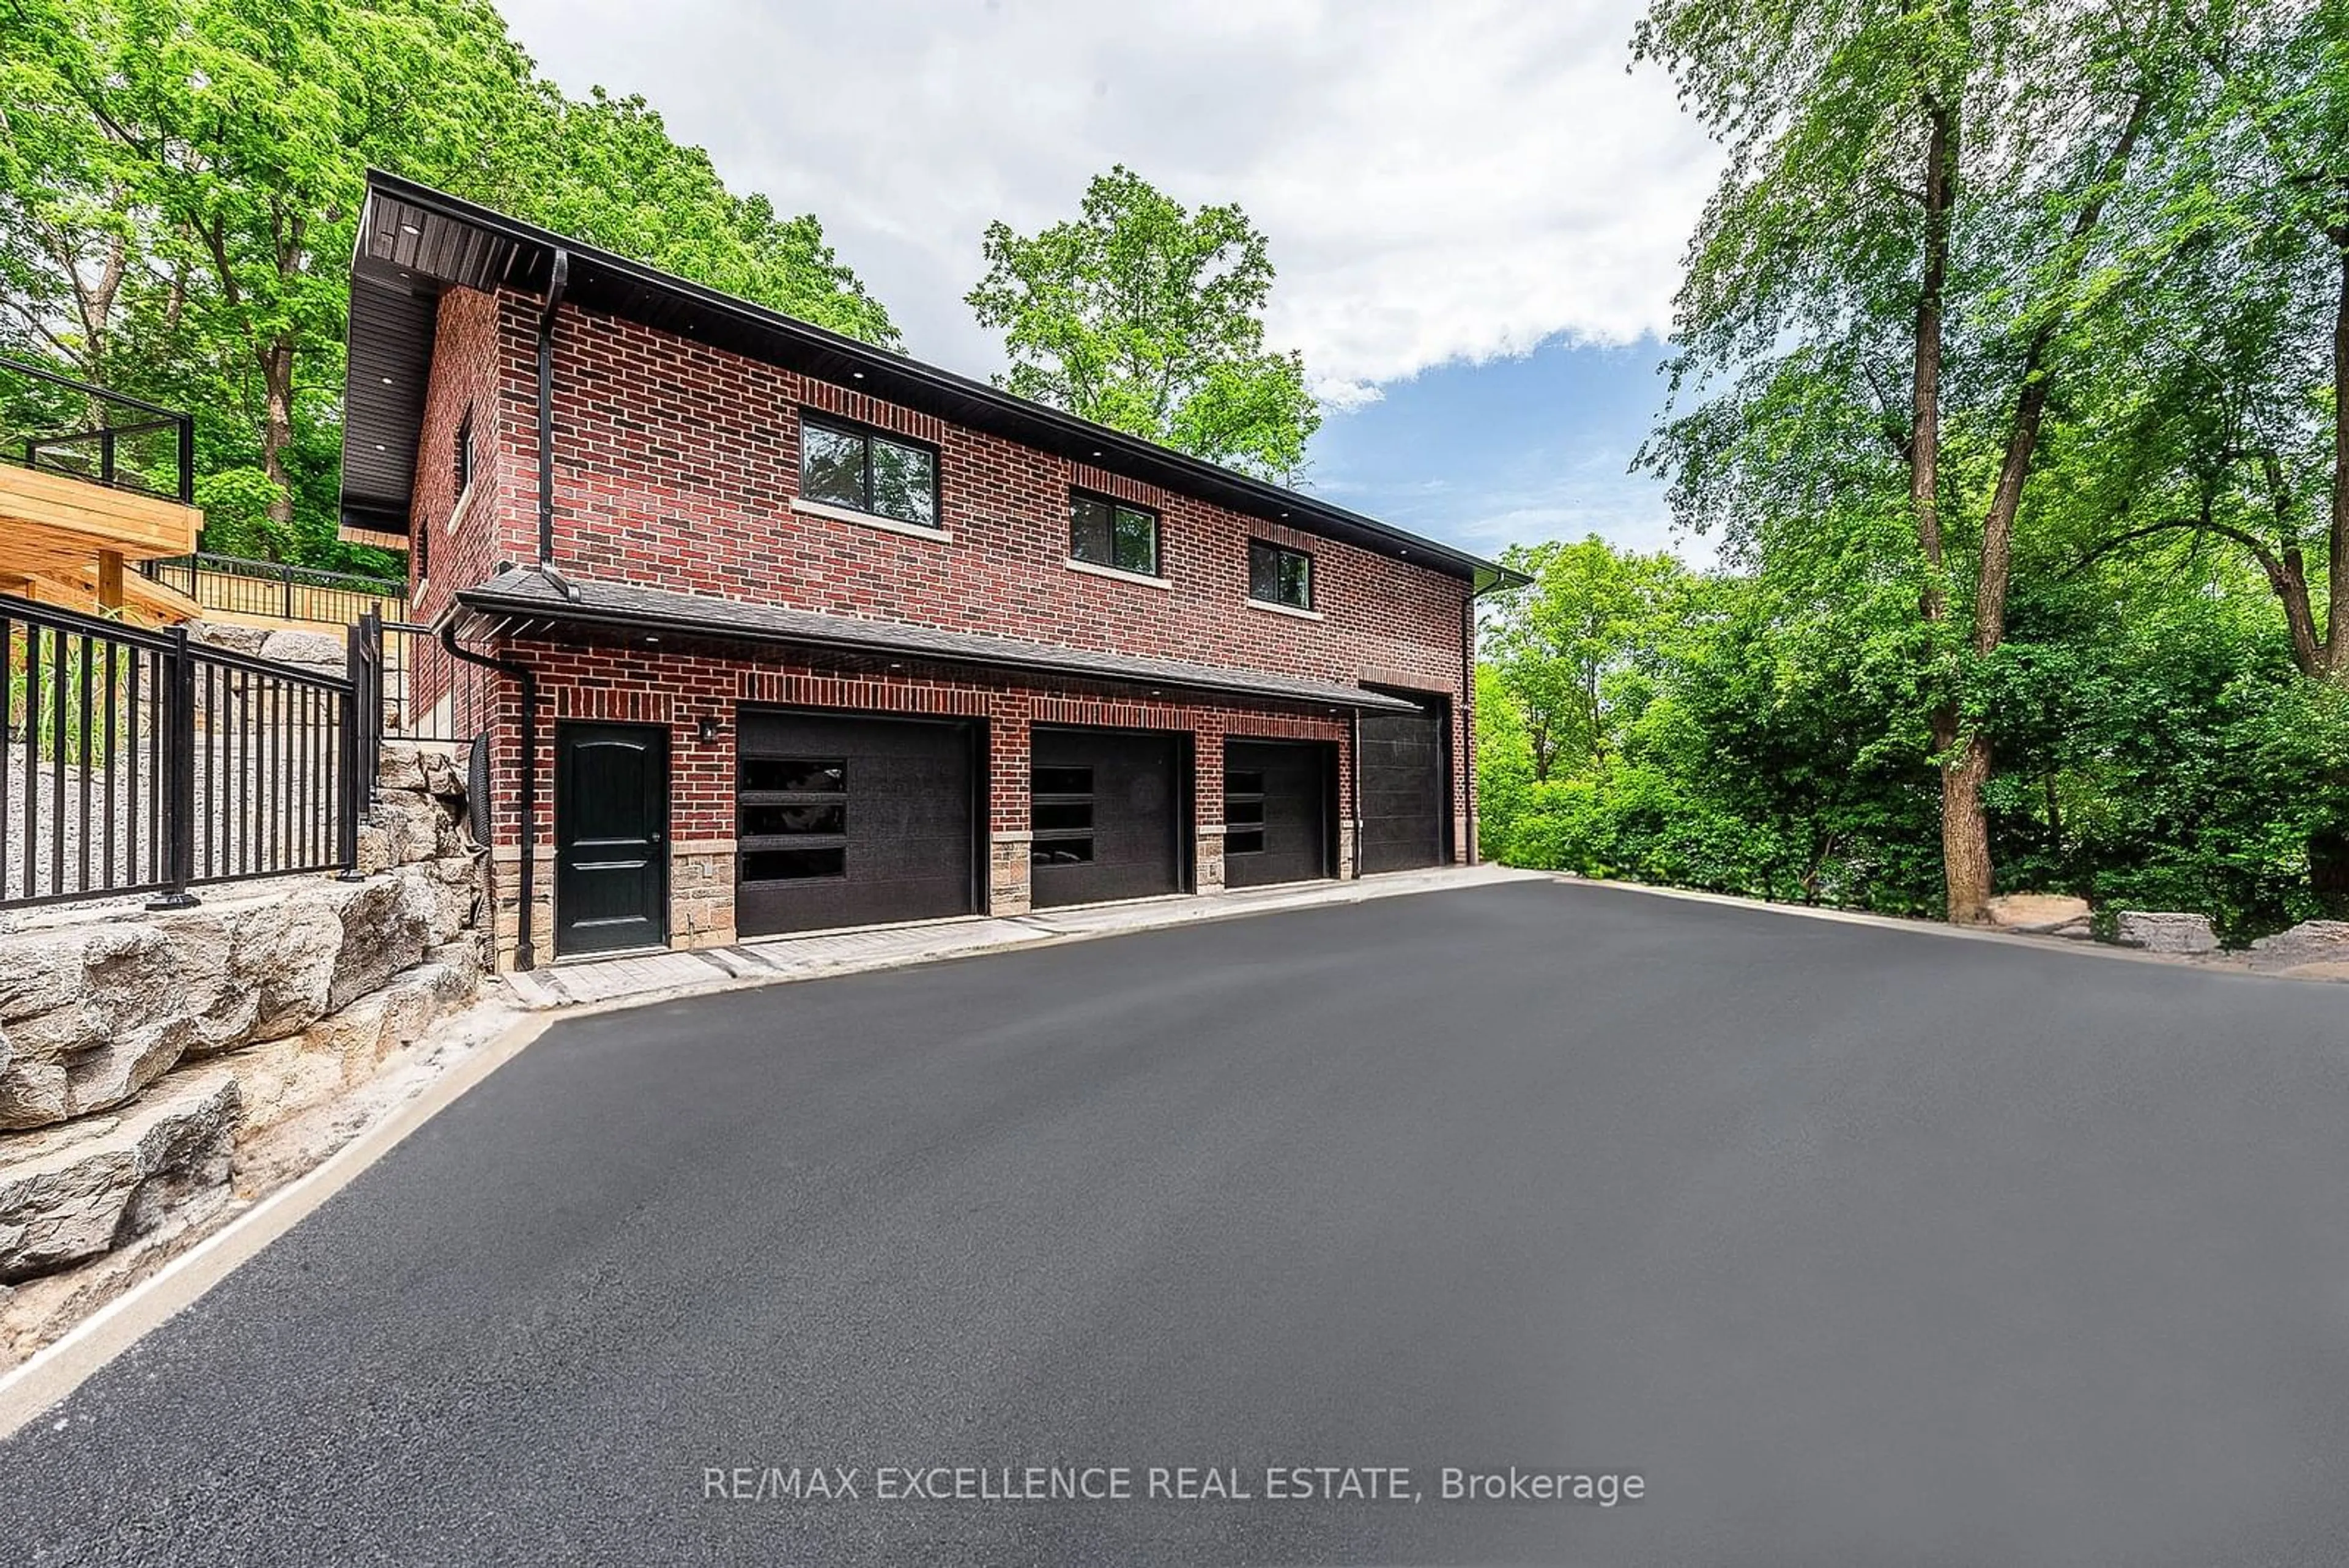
x=55, y=1371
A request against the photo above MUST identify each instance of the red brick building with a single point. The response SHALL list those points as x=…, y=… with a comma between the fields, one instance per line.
x=781, y=631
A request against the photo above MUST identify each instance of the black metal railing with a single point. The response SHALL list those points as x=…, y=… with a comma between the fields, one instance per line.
x=423, y=692
x=427, y=695
x=278, y=590
x=146, y=762
x=153, y=451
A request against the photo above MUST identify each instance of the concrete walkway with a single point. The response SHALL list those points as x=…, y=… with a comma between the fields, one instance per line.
x=637, y=977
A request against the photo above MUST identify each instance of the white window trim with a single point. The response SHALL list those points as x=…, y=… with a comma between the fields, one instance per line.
x=465, y=508
x=1118, y=574
x=1271, y=608
x=870, y=520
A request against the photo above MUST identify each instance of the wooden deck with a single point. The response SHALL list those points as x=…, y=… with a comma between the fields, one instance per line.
x=65, y=541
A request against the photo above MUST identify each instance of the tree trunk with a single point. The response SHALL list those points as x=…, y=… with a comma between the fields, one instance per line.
x=1965, y=828
x=2336, y=609
x=1965, y=833
x=1925, y=421
x=277, y=429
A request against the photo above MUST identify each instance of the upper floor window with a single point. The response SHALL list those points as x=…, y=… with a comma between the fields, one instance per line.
x=1280, y=577
x=868, y=472
x=465, y=454
x=1105, y=533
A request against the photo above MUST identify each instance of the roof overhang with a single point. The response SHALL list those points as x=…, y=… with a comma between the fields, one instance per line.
x=529, y=603
x=414, y=241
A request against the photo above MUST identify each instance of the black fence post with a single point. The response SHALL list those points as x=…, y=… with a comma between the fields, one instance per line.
x=362, y=747
x=178, y=765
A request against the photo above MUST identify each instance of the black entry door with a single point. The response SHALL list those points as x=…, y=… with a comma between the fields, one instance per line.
x=851, y=820
x=1406, y=785
x=611, y=818
x=1103, y=809
x=1276, y=821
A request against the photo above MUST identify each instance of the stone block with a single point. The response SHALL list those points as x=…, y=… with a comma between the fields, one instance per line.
x=386, y=924
x=2042, y=914
x=75, y=1192
x=2309, y=942
x=2166, y=931
x=318, y=649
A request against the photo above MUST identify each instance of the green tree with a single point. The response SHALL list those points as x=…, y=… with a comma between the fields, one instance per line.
x=604, y=170
x=1562, y=645
x=1148, y=317
x=1905, y=255
x=180, y=182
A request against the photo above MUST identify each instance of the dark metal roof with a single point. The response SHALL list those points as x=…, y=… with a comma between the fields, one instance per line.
x=524, y=598
x=413, y=241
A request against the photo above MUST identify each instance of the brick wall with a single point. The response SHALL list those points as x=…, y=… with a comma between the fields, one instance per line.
x=675, y=465
x=451, y=550
x=678, y=689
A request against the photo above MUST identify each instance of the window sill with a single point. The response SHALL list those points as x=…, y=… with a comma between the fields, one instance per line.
x=465, y=508
x=869, y=520
x=1119, y=573
x=1290, y=610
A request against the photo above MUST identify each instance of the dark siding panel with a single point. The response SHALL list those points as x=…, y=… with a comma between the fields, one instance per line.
x=907, y=808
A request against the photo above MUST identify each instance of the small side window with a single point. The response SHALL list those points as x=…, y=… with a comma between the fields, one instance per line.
x=464, y=457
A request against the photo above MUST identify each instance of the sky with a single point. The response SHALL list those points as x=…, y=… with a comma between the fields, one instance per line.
x=1476, y=211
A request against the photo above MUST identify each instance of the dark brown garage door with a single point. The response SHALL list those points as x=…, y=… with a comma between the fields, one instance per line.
x=1103, y=809
x=1275, y=815
x=1405, y=782
x=851, y=820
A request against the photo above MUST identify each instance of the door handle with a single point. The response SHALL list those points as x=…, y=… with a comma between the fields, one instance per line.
x=656, y=838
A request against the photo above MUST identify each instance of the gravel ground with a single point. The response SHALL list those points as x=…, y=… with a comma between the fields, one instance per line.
x=233, y=831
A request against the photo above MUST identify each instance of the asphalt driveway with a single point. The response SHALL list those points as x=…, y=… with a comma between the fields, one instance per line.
x=1855, y=1245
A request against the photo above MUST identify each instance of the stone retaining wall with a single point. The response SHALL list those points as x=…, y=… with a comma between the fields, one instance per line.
x=141, y=1051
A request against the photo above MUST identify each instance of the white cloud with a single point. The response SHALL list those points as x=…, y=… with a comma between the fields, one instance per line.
x=1440, y=181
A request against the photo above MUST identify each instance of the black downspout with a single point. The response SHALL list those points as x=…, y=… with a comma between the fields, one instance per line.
x=1354, y=795
x=525, y=950
x=1464, y=718
x=525, y=946
x=558, y=279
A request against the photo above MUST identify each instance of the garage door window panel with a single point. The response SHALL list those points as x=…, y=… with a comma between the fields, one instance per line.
x=1243, y=813
x=1061, y=808
x=793, y=821
x=795, y=865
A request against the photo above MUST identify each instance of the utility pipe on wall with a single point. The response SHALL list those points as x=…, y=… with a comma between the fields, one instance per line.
x=558, y=279
x=525, y=950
